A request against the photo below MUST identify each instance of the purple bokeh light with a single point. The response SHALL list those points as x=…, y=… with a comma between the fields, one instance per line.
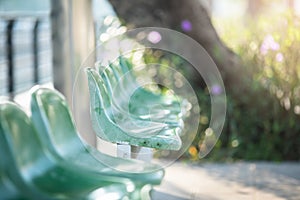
x=216, y=90
x=269, y=44
x=279, y=57
x=154, y=37
x=186, y=25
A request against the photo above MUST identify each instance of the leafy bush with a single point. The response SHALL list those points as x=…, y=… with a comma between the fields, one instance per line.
x=264, y=123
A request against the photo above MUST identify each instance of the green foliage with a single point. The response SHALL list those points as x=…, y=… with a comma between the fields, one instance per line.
x=264, y=124
x=259, y=124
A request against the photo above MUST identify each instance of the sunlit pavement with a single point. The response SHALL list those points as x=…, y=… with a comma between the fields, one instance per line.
x=261, y=180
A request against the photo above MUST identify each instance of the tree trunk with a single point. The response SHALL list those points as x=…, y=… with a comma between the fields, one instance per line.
x=254, y=7
x=170, y=14
x=291, y=4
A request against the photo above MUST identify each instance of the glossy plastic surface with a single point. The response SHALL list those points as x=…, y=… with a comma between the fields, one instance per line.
x=39, y=175
x=156, y=135
x=142, y=100
x=54, y=122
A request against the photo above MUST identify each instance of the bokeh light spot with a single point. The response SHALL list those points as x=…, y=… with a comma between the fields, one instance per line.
x=154, y=37
x=279, y=57
x=193, y=151
x=235, y=143
x=186, y=25
x=216, y=90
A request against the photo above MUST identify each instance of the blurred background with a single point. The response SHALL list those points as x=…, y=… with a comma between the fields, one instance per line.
x=255, y=44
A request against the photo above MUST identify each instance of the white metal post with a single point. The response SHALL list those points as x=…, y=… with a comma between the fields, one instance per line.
x=73, y=39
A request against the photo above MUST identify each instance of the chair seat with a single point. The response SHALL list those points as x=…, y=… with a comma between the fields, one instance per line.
x=53, y=120
x=109, y=129
x=8, y=190
x=39, y=175
x=126, y=103
x=142, y=100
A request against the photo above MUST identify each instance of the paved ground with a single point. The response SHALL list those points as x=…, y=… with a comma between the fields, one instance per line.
x=239, y=181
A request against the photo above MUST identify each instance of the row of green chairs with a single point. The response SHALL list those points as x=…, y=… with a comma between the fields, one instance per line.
x=120, y=109
x=43, y=157
x=169, y=109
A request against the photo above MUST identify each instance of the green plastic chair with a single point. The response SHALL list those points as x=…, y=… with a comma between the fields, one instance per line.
x=172, y=105
x=8, y=190
x=120, y=128
x=171, y=101
x=120, y=108
x=53, y=120
x=39, y=175
x=139, y=109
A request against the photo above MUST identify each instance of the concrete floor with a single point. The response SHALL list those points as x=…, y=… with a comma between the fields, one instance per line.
x=238, y=181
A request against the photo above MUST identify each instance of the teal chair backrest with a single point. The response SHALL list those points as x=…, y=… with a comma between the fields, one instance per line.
x=20, y=138
x=146, y=133
x=21, y=150
x=45, y=105
x=35, y=171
